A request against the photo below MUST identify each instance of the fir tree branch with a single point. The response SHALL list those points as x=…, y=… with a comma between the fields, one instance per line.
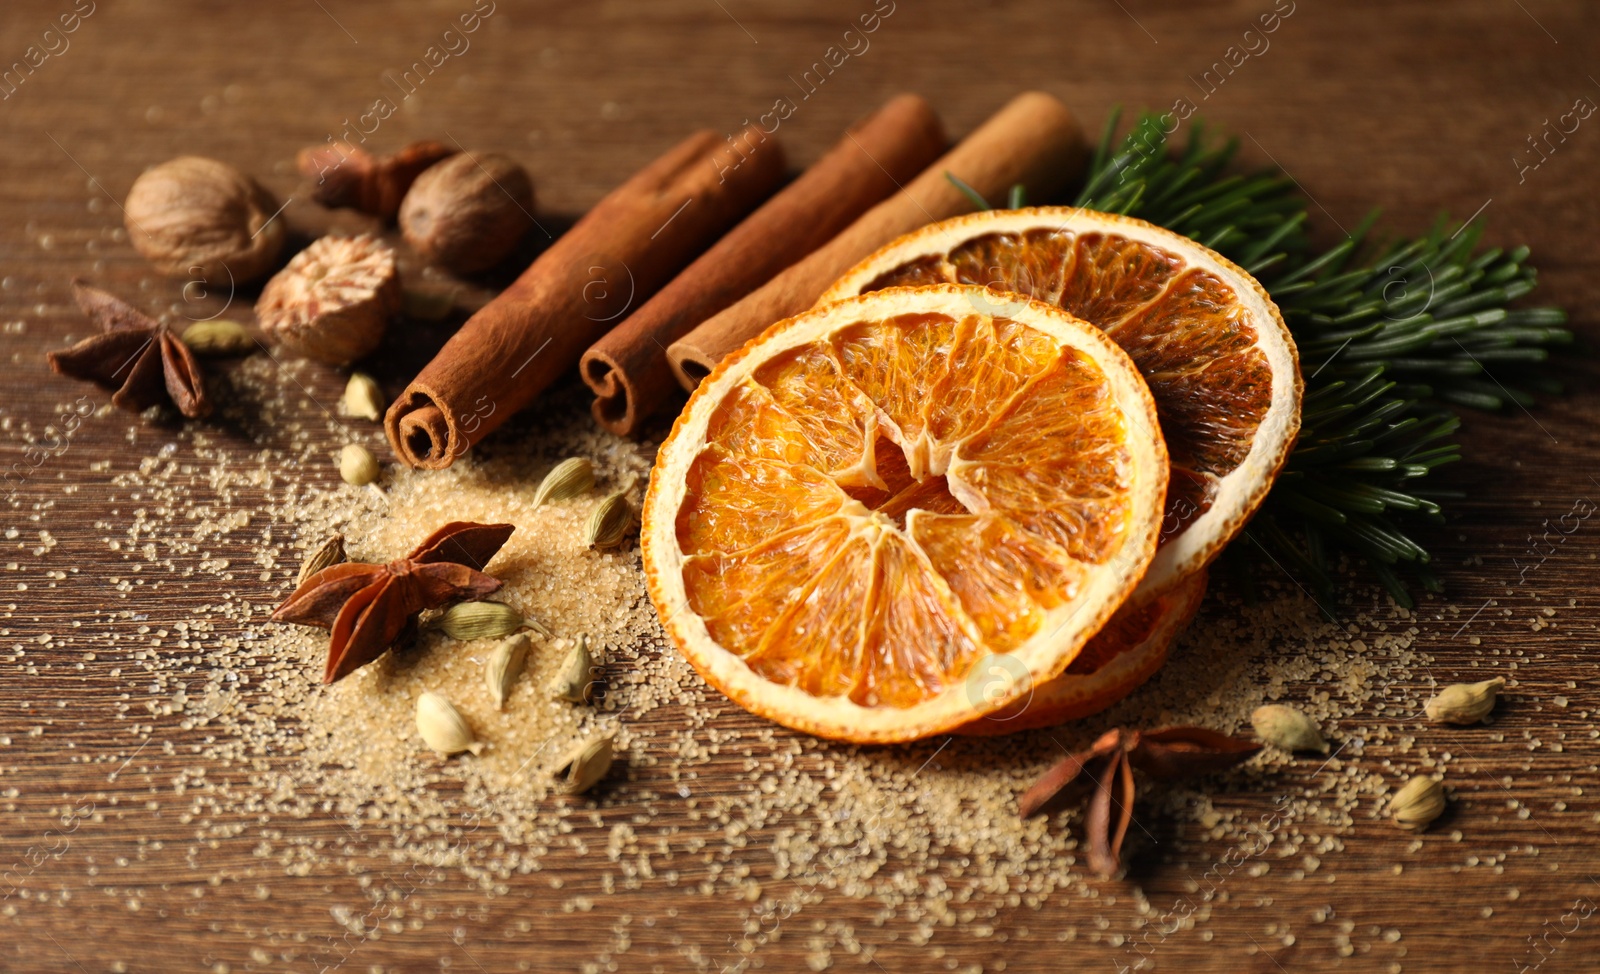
x=1392, y=337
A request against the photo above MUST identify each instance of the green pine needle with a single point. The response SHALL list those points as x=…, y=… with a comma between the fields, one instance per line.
x=1393, y=336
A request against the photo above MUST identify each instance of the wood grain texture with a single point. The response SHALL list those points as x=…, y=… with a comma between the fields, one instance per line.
x=1415, y=107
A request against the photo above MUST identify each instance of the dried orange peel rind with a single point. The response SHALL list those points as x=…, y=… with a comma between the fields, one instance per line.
x=1218, y=357
x=1125, y=653
x=871, y=499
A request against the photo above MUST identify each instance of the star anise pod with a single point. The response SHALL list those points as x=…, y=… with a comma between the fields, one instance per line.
x=367, y=607
x=1164, y=754
x=138, y=358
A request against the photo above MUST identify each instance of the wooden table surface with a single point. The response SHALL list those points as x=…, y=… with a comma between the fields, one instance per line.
x=1416, y=107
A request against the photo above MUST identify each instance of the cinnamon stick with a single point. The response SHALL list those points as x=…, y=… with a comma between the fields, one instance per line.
x=1033, y=140
x=613, y=259
x=628, y=369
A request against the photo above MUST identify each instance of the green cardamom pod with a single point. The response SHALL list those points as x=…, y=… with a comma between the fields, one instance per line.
x=328, y=554
x=505, y=665
x=575, y=681
x=566, y=480
x=442, y=727
x=480, y=620
x=586, y=764
x=220, y=337
x=357, y=466
x=1287, y=728
x=363, y=398
x=1464, y=703
x=1417, y=803
x=609, y=523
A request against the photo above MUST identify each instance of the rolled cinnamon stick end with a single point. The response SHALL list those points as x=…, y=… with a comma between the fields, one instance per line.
x=425, y=431
x=612, y=260
x=628, y=368
x=1034, y=140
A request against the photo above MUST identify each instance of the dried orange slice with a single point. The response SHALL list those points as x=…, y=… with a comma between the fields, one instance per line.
x=1120, y=657
x=878, y=499
x=1207, y=338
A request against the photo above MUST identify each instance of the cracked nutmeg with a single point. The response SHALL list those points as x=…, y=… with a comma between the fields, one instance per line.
x=1164, y=754
x=333, y=301
x=367, y=607
x=136, y=357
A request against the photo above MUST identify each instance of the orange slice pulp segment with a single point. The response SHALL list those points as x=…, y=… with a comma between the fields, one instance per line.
x=1208, y=340
x=871, y=499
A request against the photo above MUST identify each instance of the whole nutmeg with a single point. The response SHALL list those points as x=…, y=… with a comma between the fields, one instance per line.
x=204, y=220
x=333, y=300
x=468, y=212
